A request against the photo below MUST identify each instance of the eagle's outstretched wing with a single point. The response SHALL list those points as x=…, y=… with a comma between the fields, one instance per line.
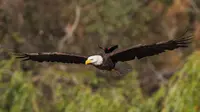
x=53, y=57
x=149, y=50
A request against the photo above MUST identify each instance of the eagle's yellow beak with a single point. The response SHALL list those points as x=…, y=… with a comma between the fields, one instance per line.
x=87, y=62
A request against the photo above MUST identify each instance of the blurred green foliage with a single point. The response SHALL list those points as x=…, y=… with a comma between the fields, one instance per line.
x=59, y=91
x=40, y=25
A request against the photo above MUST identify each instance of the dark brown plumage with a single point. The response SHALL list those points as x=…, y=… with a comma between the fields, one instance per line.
x=149, y=50
x=110, y=49
x=53, y=57
x=111, y=56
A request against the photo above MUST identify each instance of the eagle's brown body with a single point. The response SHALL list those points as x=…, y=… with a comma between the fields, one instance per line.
x=108, y=63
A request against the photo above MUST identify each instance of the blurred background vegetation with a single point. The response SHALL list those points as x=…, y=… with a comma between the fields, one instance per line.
x=165, y=83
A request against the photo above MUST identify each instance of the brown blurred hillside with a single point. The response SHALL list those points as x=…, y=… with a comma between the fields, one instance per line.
x=36, y=26
x=79, y=26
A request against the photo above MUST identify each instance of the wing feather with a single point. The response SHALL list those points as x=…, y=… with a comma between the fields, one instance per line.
x=110, y=49
x=149, y=50
x=53, y=57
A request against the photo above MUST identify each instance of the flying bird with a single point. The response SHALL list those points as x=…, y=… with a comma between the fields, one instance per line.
x=111, y=56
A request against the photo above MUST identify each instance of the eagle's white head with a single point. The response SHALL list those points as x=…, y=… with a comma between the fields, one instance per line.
x=95, y=60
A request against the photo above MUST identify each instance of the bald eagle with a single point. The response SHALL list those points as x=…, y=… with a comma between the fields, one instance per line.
x=108, y=59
